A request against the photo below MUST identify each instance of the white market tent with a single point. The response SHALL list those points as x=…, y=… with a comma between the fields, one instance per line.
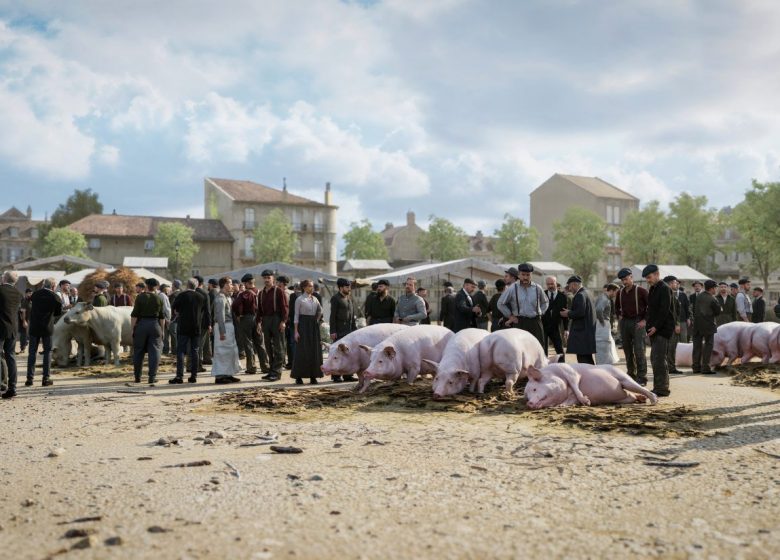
x=685, y=274
x=145, y=262
x=360, y=265
x=433, y=274
x=32, y=278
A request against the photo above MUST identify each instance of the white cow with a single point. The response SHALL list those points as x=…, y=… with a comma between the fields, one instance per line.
x=62, y=338
x=109, y=326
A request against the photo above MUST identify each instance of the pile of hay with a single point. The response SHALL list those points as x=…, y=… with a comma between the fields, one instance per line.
x=122, y=275
x=756, y=375
x=660, y=420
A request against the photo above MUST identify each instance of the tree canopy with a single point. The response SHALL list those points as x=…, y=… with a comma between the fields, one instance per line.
x=362, y=242
x=515, y=241
x=692, y=230
x=179, y=256
x=444, y=241
x=274, y=239
x=64, y=241
x=80, y=204
x=643, y=235
x=580, y=239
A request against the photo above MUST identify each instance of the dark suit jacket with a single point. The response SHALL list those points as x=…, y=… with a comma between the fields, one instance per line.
x=45, y=306
x=660, y=309
x=685, y=306
x=447, y=311
x=582, y=325
x=707, y=309
x=464, y=316
x=205, y=321
x=479, y=298
x=10, y=300
x=552, y=317
x=759, y=310
x=728, y=313
x=342, y=315
x=189, y=306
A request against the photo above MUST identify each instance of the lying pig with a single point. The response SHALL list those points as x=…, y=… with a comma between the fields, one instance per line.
x=351, y=354
x=561, y=384
x=459, y=366
x=756, y=342
x=727, y=342
x=507, y=354
x=404, y=352
x=774, y=347
x=683, y=357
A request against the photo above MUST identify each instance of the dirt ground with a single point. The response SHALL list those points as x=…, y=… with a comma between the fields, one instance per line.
x=97, y=458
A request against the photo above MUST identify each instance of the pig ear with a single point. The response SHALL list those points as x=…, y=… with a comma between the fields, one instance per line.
x=366, y=348
x=462, y=373
x=344, y=348
x=389, y=352
x=434, y=365
x=534, y=373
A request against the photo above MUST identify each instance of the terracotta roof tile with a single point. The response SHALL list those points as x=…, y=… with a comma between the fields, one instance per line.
x=116, y=225
x=247, y=191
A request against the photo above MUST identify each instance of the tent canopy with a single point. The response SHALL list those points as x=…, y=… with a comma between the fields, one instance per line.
x=59, y=259
x=454, y=271
x=681, y=272
x=293, y=272
x=145, y=262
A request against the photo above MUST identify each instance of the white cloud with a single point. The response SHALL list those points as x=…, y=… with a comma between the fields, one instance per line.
x=108, y=155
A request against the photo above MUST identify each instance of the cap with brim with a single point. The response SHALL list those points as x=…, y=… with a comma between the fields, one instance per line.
x=247, y=278
x=151, y=282
x=624, y=272
x=723, y=284
x=267, y=272
x=732, y=285
x=469, y=281
x=697, y=282
x=447, y=284
x=648, y=270
x=743, y=281
x=670, y=278
x=102, y=284
x=525, y=267
x=512, y=271
x=709, y=284
x=481, y=284
x=341, y=282
x=177, y=283
x=574, y=278
x=383, y=282
x=213, y=282
x=283, y=279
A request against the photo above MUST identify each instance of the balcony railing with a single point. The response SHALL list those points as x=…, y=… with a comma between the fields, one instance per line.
x=249, y=224
x=319, y=228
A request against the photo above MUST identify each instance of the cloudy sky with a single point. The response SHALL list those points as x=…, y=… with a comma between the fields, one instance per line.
x=457, y=108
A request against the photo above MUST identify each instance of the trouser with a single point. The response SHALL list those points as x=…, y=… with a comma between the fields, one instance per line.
x=671, y=352
x=553, y=334
x=166, y=347
x=173, y=330
x=274, y=343
x=147, y=339
x=658, y=348
x=23, y=337
x=252, y=342
x=634, y=348
x=9, y=347
x=684, y=338
x=585, y=359
x=204, y=350
x=187, y=344
x=46, y=341
x=532, y=325
x=482, y=324
x=702, y=351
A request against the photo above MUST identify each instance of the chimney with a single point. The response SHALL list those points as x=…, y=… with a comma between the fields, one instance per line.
x=29, y=212
x=388, y=225
x=284, y=184
x=113, y=212
x=410, y=218
x=328, y=196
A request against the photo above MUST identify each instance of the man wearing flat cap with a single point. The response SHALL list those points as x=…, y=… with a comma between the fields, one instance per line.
x=631, y=309
x=582, y=323
x=100, y=299
x=381, y=307
x=698, y=286
x=671, y=351
x=660, y=327
x=465, y=309
x=250, y=339
x=704, y=327
x=447, y=307
x=481, y=300
x=272, y=313
x=524, y=302
x=744, y=304
x=343, y=317
x=148, y=320
x=728, y=307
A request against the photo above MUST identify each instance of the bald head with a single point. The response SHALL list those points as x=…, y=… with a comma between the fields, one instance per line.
x=551, y=282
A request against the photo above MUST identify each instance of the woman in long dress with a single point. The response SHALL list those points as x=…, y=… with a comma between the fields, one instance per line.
x=307, y=361
x=225, y=364
x=606, y=351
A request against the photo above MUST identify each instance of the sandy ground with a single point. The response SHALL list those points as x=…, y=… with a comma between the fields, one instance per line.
x=377, y=484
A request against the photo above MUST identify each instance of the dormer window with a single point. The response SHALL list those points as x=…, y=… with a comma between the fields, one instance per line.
x=34, y=233
x=13, y=232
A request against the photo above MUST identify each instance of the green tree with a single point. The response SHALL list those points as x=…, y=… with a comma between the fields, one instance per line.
x=362, y=242
x=692, y=231
x=174, y=240
x=444, y=241
x=580, y=239
x=79, y=204
x=756, y=223
x=643, y=234
x=64, y=241
x=515, y=241
x=274, y=239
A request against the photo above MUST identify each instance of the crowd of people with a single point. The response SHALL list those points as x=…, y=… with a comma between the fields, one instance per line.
x=277, y=326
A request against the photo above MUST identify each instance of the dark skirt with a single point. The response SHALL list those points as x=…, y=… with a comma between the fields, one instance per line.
x=307, y=362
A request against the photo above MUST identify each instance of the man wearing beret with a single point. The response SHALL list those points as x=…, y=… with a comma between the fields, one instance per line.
x=100, y=299
x=704, y=327
x=381, y=307
x=728, y=307
x=148, y=321
x=582, y=323
x=272, y=311
x=250, y=339
x=631, y=309
x=342, y=317
x=671, y=351
x=523, y=304
x=660, y=327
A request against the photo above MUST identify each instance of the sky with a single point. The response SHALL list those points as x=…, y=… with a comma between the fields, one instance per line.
x=453, y=108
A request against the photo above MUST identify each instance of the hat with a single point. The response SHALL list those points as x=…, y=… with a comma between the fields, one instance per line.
x=648, y=270
x=447, y=284
x=341, y=282
x=699, y=282
x=512, y=271
x=140, y=285
x=481, y=284
x=176, y=284
x=283, y=279
x=624, y=272
x=670, y=278
x=383, y=282
x=525, y=267
x=151, y=282
x=374, y=285
x=63, y=282
x=213, y=282
x=574, y=278
x=743, y=281
x=758, y=289
x=267, y=272
x=708, y=284
x=469, y=281
x=247, y=277
x=199, y=278
x=102, y=284
x=163, y=286
x=500, y=284
x=732, y=285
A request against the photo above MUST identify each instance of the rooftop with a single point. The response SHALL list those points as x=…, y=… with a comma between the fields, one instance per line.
x=595, y=186
x=145, y=262
x=117, y=225
x=249, y=191
x=366, y=264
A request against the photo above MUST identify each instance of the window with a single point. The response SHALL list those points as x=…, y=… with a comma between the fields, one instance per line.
x=248, y=242
x=318, y=253
x=616, y=215
x=296, y=220
x=14, y=254
x=149, y=245
x=94, y=243
x=249, y=218
x=34, y=233
x=609, y=214
x=13, y=232
x=318, y=224
x=298, y=244
x=618, y=261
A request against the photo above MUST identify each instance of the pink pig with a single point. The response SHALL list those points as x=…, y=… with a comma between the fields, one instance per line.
x=459, y=365
x=774, y=346
x=507, y=354
x=561, y=384
x=728, y=342
x=757, y=344
x=683, y=357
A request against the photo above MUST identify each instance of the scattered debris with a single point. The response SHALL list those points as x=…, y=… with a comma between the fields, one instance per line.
x=28, y=502
x=477, y=468
x=144, y=458
x=678, y=464
x=755, y=375
x=334, y=512
x=126, y=392
x=775, y=455
x=233, y=470
x=203, y=463
x=207, y=441
x=315, y=478
x=114, y=541
x=88, y=542
x=216, y=435
x=158, y=529
x=78, y=533
x=167, y=441
x=285, y=449
x=56, y=452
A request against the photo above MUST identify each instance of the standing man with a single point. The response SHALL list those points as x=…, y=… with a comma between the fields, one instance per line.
x=63, y=292
x=631, y=309
x=159, y=291
x=759, y=305
x=100, y=299
x=381, y=307
x=495, y=314
x=204, y=346
x=271, y=319
x=524, y=303
x=671, y=351
x=734, y=289
x=582, y=322
x=148, y=321
x=120, y=298
x=367, y=304
x=410, y=309
x=697, y=288
x=24, y=320
x=46, y=305
x=10, y=301
x=173, y=327
x=744, y=305
x=481, y=301
x=447, y=307
x=250, y=338
x=342, y=317
x=423, y=293
x=660, y=327
x=552, y=321
x=466, y=311
x=704, y=327
x=684, y=311
x=605, y=344
x=188, y=307
x=728, y=305
x=296, y=292
x=282, y=282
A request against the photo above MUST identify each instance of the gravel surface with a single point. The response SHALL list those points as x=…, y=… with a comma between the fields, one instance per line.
x=95, y=467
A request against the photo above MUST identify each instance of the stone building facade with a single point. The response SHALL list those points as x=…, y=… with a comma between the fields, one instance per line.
x=18, y=235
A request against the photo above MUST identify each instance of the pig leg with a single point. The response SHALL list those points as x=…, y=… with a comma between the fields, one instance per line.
x=572, y=379
x=509, y=383
x=412, y=373
x=630, y=385
x=484, y=378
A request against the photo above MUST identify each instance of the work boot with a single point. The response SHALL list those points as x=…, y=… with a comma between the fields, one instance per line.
x=192, y=379
x=47, y=382
x=175, y=381
x=9, y=394
x=29, y=382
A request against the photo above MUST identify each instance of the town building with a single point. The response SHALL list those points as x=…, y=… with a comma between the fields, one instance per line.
x=112, y=237
x=18, y=235
x=242, y=205
x=403, y=242
x=551, y=200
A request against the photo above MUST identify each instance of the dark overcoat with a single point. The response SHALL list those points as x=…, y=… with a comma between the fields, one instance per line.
x=582, y=325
